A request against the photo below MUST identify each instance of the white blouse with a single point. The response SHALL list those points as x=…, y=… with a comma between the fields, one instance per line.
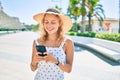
x=50, y=71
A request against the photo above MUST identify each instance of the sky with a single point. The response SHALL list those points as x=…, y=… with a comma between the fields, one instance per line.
x=25, y=9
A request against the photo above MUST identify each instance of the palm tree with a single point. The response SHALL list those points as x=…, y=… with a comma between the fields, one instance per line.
x=74, y=11
x=83, y=13
x=96, y=10
x=56, y=6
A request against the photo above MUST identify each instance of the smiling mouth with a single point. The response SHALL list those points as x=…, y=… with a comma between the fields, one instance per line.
x=50, y=29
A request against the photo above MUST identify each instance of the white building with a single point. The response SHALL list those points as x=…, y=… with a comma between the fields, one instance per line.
x=110, y=25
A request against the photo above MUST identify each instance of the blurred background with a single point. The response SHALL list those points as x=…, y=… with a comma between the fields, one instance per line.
x=95, y=32
x=90, y=16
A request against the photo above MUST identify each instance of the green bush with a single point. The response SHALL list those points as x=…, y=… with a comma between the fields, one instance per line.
x=86, y=34
x=71, y=33
x=107, y=36
x=112, y=37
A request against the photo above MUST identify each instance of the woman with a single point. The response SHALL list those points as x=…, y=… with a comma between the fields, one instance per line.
x=59, y=49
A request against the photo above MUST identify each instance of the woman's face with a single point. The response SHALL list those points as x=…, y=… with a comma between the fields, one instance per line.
x=51, y=23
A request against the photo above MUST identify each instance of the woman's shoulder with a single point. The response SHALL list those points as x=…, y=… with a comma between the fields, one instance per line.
x=69, y=45
x=69, y=40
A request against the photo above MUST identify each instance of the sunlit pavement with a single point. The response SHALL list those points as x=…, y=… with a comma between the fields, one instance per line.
x=15, y=57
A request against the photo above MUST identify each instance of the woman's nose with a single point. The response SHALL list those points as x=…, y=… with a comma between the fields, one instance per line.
x=49, y=24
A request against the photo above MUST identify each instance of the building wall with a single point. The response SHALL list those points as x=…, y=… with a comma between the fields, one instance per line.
x=109, y=26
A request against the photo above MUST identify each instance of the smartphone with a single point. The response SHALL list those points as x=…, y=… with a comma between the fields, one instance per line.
x=42, y=49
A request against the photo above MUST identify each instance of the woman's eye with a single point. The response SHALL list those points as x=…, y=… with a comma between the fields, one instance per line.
x=46, y=22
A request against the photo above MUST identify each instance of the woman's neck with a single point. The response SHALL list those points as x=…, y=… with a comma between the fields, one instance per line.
x=52, y=37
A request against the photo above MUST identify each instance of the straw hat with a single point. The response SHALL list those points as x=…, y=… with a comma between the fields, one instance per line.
x=67, y=22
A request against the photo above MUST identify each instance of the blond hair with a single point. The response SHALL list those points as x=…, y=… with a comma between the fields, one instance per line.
x=44, y=34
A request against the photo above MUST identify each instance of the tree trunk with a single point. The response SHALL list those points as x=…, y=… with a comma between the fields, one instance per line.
x=75, y=26
x=83, y=24
x=89, y=20
x=83, y=18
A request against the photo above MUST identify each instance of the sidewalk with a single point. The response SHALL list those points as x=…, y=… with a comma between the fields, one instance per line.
x=15, y=57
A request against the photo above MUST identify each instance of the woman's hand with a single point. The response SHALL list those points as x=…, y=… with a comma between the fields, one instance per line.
x=50, y=58
x=38, y=58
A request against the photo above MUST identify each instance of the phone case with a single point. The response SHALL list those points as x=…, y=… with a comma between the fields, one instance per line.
x=42, y=49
